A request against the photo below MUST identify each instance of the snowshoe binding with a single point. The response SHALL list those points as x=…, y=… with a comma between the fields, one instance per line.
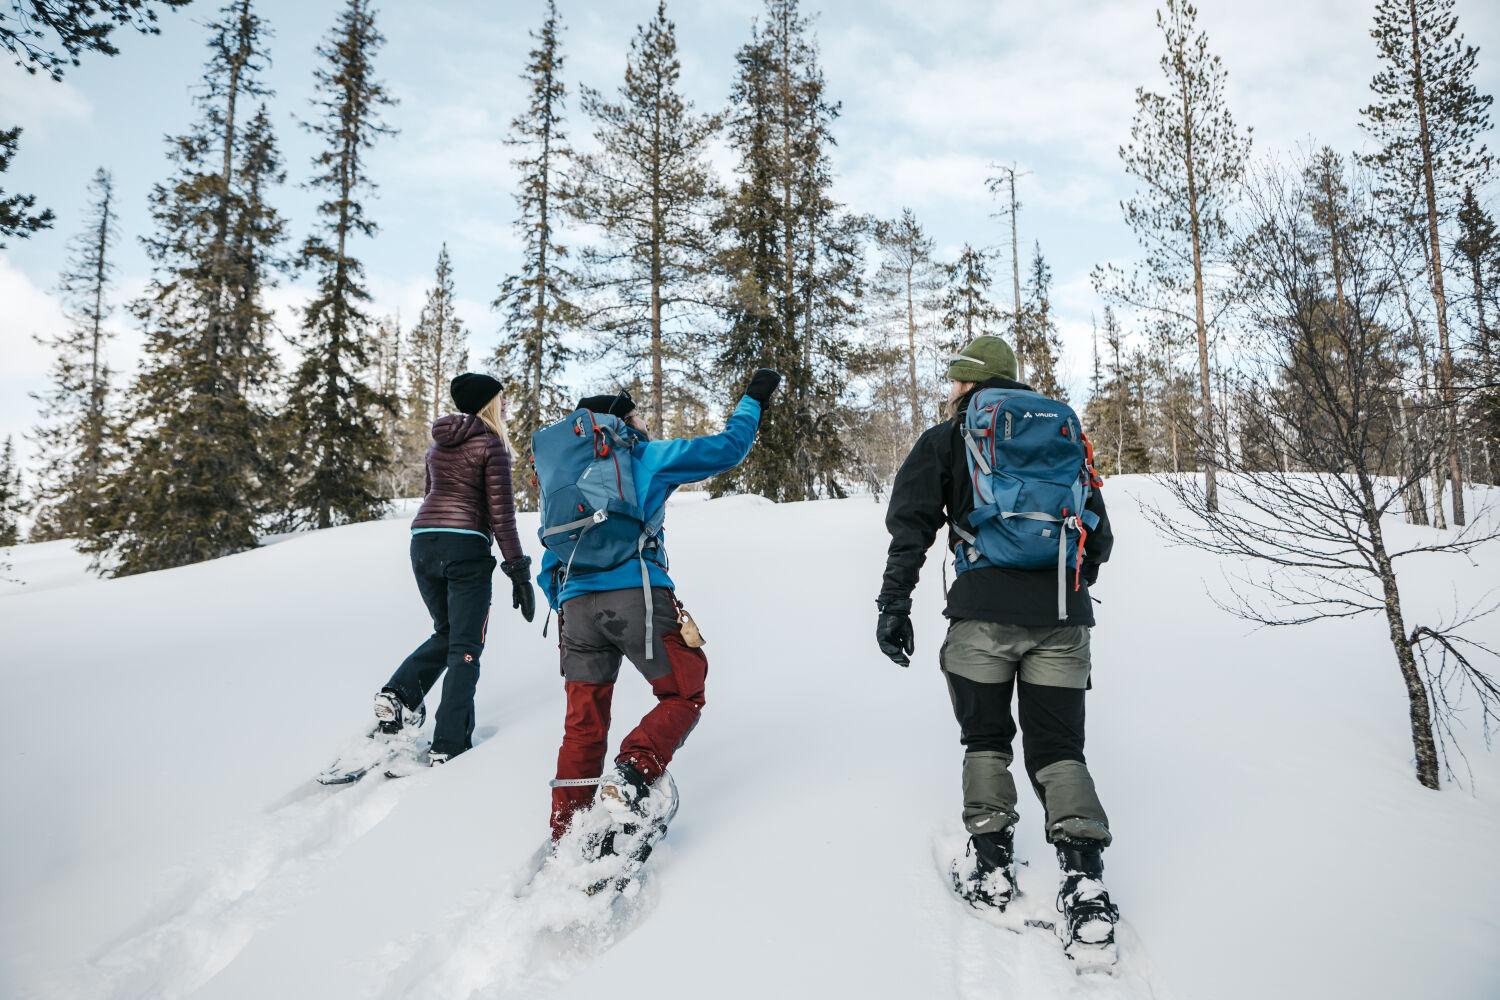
x=1088, y=920
x=985, y=876
x=638, y=813
x=392, y=716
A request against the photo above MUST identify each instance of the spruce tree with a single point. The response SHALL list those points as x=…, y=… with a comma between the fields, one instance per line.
x=792, y=259
x=1429, y=119
x=1188, y=156
x=651, y=191
x=437, y=350
x=12, y=497
x=197, y=477
x=73, y=437
x=334, y=412
x=1478, y=246
x=968, y=310
x=905, y=283
x=536, y=302
x=1041, y=344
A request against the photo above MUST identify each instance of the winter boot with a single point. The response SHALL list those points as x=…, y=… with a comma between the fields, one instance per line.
x=1088, y=916
x=623, y=792
x=986, y=874
x=393, y=716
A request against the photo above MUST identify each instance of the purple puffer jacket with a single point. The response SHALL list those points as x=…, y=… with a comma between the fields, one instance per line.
x=468, y=483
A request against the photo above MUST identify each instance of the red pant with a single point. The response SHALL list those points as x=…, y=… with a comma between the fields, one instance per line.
x=649, y=747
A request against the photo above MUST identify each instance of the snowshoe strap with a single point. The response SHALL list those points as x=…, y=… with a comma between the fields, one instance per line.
x=575, y=782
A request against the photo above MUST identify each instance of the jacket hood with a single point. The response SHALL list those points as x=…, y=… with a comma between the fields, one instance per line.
x=456, y=428
x=999, y=382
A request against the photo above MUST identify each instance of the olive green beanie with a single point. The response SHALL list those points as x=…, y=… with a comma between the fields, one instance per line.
x=983, y=358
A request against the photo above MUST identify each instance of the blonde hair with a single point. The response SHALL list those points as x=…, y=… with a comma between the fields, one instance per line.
x=493, y=415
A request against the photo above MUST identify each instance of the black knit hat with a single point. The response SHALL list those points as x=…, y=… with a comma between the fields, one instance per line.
x=471, y=391
x=618, y=404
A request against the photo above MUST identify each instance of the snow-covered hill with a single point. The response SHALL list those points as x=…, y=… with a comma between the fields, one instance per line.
x=161, y=838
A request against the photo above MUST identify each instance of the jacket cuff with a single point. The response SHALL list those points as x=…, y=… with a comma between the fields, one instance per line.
x=748, y=406
x=897, y=605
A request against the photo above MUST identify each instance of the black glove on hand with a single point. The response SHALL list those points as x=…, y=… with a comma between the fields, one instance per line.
x=893, y=633
x=762, y=384
x=522, y=594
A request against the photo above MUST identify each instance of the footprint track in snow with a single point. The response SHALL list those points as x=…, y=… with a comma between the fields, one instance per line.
x=194, y=933
x=518, y=940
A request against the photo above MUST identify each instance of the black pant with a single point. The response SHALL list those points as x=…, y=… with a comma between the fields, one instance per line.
x=1052, y=720
x=453, y=573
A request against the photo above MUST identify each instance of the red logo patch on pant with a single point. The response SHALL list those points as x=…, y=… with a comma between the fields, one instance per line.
x=468, y=657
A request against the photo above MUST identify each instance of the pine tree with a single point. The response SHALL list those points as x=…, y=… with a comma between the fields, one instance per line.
x=1478, y=245
x=968, y=311
x=650, y=189
x=405, y=439
x=1189, y=158
x=74, y=434
x=197, y=478
x=334, y=412
x=537, y=301
x=12, y=497
x=1115, y=410
x=905, y=283
x=1040, y=342
x=1429, y=119
x=437, y=350
x=792, y=259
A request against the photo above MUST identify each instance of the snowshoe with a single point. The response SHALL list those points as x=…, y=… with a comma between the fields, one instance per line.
x=371, y=752
x=986, y=875
x=1088, y=920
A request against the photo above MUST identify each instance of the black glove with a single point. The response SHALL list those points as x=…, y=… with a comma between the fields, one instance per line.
x=894, y=634
x=762, y=384
x=522, y=594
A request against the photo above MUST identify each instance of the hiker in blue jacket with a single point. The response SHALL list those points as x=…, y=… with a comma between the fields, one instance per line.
x=608, y=614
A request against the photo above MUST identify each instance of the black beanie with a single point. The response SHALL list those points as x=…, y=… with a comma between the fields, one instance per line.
x=471, y=391
x=618, y=404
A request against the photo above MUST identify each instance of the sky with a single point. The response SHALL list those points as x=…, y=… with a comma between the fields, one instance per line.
x=932, y=94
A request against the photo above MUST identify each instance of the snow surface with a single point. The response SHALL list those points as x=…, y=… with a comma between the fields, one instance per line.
x=162, y=837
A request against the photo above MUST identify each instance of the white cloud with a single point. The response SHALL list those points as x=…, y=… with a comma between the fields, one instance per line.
x=40, y=104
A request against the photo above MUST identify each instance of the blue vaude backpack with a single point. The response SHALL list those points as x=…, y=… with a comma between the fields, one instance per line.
x=591, y=515
x=1032, y=471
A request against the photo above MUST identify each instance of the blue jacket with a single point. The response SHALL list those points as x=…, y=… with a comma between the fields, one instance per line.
x=661, y=467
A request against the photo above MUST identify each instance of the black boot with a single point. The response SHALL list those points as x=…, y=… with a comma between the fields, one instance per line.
x=986, y=875
x=1088, y=915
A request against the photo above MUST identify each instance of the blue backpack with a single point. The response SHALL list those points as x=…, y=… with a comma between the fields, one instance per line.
x=591, y=515
x=1032, y=471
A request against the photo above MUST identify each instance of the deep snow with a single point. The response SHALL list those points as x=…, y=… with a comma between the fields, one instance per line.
x=161, y=837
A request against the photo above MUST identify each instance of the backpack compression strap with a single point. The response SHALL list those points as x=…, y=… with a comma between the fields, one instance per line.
x=1069, y=522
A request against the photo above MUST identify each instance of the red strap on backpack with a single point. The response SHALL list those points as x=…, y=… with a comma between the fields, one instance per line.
x=1088, y=460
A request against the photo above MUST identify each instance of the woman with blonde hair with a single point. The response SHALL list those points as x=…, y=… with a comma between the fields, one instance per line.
x=468, y=501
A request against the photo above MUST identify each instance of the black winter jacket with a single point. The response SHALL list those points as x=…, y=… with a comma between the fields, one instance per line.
x=932, y=488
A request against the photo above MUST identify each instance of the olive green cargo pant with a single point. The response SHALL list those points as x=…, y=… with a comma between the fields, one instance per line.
x=1048, y=668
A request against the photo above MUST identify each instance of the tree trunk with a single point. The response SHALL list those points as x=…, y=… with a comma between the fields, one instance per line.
x=1424, y=746
x=1435, y=272
x=1015, y=280
x=1205, y=381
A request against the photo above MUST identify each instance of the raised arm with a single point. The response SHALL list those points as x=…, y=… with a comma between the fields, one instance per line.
x=687, y=460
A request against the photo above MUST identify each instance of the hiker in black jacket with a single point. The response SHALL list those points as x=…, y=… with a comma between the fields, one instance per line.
x=1004, y=635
